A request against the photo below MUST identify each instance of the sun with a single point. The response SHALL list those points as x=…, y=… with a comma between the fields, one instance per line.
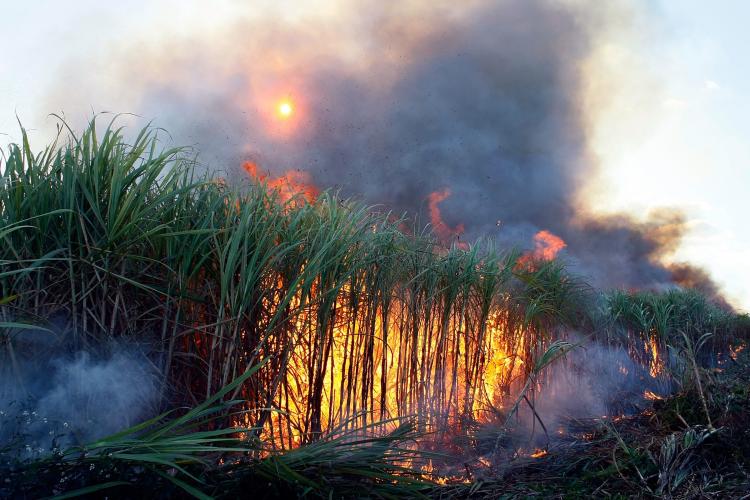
x=285, y=109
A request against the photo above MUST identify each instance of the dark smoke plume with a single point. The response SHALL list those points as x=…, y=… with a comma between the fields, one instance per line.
x=485, y=101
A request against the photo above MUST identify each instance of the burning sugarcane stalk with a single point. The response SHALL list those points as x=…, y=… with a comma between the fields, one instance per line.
x=366, y=330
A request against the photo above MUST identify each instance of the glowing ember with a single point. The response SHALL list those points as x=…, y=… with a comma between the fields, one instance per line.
x=734, y=352
x=539, y=453
x=650, y=395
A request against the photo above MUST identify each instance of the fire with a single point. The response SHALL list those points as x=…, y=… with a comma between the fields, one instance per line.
x=734, y=352
x=546, y=247
x=656, y=363
x=445, y=480
x=465, y=368
x=652, y=396
x=444, y=232
x=394, y=374
x=352, y=360
x=292, y=184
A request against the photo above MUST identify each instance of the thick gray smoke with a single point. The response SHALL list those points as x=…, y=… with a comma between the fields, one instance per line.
x=485, y=101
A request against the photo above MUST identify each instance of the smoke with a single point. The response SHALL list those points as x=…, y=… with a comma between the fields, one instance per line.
x=476, y=113
x=592, y=382
x=70, y=400
x=596, y=380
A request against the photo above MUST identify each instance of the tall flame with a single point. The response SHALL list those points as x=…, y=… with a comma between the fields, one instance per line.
x=444, y=232
x=365, y=355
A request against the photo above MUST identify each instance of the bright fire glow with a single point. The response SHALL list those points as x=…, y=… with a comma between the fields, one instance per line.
x=291, y=185
x=651, y=395
x=443, y=231
x=463, y=364
x=656, y=363
x=546, y=247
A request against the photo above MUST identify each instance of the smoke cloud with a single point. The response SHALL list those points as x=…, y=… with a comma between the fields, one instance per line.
x=595, y=380
x=400, y=106
x=72, y=400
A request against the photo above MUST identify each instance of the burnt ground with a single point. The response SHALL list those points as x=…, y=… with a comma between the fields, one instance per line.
x=672, y=449
x=676, y=448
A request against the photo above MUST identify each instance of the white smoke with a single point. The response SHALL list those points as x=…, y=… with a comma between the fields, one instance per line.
x=72, y=400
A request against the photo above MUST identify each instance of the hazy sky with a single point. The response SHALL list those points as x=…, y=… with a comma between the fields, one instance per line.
x=692, y=148
x=675, y=134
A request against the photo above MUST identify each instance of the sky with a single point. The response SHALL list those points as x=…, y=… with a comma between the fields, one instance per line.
x=690, y=148
x=672, y=133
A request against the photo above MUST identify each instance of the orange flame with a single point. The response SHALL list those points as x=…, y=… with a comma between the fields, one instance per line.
x=329, y=376
x=546, y=247
x=656, y=363
x=293, y=183
x=444, y=232
x=652, y=396
x=734, y=352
